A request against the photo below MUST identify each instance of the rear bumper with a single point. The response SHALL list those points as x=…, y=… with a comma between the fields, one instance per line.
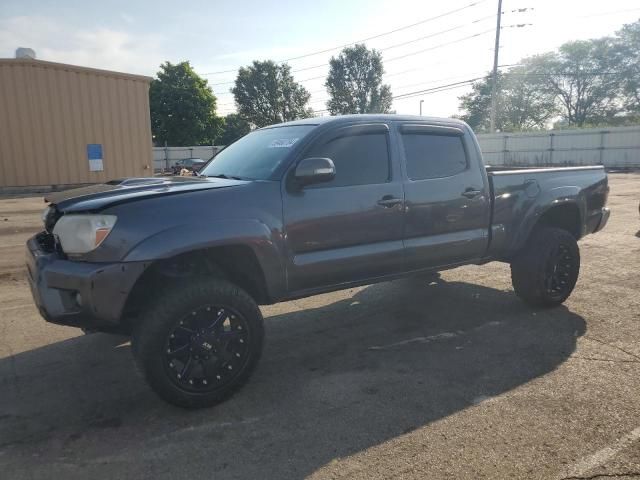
x=604, y=218
x=79, y=294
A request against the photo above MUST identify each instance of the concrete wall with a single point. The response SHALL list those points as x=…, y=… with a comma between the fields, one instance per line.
x=51, y=112
x=611, y=147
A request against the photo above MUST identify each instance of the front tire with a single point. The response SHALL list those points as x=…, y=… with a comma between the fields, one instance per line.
x=198, y=344
x=546, y=271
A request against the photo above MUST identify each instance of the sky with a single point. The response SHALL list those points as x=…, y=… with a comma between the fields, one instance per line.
x=434, y=43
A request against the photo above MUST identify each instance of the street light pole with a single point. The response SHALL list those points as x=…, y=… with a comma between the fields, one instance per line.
x=494, y=81
x=421, y=102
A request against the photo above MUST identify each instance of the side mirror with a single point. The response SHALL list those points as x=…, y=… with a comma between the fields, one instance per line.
x=314, y=170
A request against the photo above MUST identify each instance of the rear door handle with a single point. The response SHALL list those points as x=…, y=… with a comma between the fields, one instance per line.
x=471, y=193
x=388, y=201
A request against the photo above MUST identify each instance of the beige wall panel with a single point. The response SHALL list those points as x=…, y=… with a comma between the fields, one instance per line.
x=49, y=113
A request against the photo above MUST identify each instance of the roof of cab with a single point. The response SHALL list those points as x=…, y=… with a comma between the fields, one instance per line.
x=383, y=117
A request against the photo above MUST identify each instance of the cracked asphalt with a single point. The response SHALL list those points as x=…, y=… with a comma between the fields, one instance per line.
x=453, y=379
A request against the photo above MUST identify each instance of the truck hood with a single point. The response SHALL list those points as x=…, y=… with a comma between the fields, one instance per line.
x=97, y=197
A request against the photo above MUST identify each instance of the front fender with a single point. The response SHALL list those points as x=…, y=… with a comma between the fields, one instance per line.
x=191, y=237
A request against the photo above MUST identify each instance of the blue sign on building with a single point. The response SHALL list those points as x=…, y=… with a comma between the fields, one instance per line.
x=94, y=155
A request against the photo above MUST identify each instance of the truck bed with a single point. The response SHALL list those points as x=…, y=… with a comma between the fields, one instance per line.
x=521, y=195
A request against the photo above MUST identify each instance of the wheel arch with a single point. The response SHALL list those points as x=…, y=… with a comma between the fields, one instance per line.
x=244, y=252
x=564, y=215
x=563, y=211
x=260, y=243
x=237, y=263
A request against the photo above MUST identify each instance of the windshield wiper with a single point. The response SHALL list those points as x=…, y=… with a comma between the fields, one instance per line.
x=231, y=177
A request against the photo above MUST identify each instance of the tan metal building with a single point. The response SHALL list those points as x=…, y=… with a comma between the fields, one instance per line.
x=68, y=125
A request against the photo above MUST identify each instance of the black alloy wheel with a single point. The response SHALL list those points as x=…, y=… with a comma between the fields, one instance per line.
x=546, y=270
x=199, y=342
x=559, y=271
x=207, y=348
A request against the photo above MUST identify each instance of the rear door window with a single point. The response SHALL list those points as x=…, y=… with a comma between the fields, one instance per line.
x=431, y=155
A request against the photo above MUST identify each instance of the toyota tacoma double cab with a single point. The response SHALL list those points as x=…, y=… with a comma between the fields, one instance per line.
x=292, y=210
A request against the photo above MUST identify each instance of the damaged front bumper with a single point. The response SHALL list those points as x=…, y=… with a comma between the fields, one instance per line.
x=78, y=294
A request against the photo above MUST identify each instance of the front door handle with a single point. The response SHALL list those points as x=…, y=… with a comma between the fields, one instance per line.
x=388, y=201
x=471, y=193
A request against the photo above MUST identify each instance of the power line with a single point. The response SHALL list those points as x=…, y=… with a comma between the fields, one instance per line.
x=448, y=86
x=428, y=91
x=443, y=89
x=438, y=80
x=451, y=12
x=613, y=12
x=312, y=78
x=395, y=46
x=440, y=88
x=563, y=74
x=410, y=85
x=430, y=19
x=436, y=34
x=407, y=43
x=437, y=64
x=410, y=54
x=393, y=74
x=417, y=84
x=438, y=46
x=464, y=83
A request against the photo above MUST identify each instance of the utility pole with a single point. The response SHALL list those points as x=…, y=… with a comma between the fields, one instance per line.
x=421, y=102
x=494, y=82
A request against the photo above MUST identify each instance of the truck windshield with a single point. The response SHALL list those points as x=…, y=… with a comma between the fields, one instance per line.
x=256, y=155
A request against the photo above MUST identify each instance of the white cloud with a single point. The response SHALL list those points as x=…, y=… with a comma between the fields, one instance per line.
x=99, y=47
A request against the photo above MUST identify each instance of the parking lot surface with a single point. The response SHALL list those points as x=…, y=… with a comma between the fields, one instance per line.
x=453, y=379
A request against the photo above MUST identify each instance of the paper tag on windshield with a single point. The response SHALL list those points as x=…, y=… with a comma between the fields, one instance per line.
x=283, y=143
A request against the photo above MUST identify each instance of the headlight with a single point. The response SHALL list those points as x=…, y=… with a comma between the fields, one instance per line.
x=45, y=214
x=83, y=233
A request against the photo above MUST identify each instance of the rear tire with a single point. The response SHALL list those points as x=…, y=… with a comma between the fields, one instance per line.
x=199, y=343
x=546, y=270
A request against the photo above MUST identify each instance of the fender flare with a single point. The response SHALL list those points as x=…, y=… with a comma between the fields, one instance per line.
x=193, y=237
x=556, y=197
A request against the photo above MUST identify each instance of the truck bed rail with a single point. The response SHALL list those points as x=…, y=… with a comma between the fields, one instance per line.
x=517, y=170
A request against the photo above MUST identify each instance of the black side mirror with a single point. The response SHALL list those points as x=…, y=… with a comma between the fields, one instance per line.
x=314, y=170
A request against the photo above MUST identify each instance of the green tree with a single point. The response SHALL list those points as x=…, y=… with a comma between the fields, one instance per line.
x=578, y=85
x=183, y=107
x=266, y=93
x=627, y=48
x=525, y=104
x=235, y=126
x=476, y=105
x=522, y=104
x=581, y=77
x=355, y=82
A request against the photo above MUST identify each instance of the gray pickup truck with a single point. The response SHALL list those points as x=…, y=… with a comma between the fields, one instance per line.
x=289, y=211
